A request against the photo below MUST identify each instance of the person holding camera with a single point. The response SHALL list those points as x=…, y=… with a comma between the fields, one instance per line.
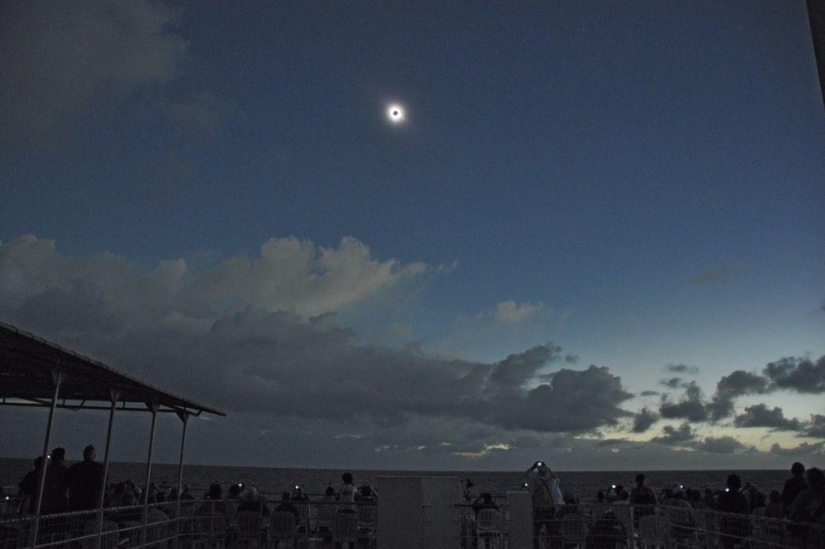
x=546, y=494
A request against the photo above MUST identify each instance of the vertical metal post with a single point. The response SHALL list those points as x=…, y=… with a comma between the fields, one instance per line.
x=184, y=417
x=114, y=396
x=57, y=378
x=153, y=407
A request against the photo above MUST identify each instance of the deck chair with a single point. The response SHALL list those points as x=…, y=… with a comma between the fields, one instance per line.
x=283, y=528
x=573, y=530
x=488, y=528
x=250, y=528
x=345, y=529
x=652, y=532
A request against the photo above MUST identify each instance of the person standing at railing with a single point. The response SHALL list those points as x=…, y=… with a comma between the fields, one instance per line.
x=546, y=494
x=346, y=495
x=732, y=502
x=793, y=486
x=85, y=481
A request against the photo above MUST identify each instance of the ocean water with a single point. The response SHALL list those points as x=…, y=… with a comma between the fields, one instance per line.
x=273, y=481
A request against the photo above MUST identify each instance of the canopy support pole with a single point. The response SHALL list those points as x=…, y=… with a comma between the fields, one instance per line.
x=114, y=396
x=184, y=417
x=57, y=378
x=153, y=407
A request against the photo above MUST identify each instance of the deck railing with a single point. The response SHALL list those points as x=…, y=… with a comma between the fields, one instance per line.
x=663, y=526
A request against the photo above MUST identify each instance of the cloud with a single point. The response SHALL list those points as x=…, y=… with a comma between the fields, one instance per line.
x=511, y=312
x=760, y=415
x=720, y=445
x=675, y=436
x=798, y=374
x=690, y=406
x=732, y=386
x=260, y=335
x=681, y=369
x=804, y=449
x=643, y=420
x=649, y=393
x=64, y=58
x=672, y=383
x=816, y=427
x=718, y=275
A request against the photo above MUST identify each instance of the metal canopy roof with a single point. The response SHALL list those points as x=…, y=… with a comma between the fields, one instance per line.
x=27, y=363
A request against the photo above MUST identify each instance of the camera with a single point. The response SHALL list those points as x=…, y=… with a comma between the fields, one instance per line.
x=539, y=463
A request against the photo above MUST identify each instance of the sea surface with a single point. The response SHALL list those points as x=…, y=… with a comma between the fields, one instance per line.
x=273, y=481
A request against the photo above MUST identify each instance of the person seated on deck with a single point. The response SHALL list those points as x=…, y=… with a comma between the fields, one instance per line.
x=252, y=502
x=85, y=481
x=286, y=505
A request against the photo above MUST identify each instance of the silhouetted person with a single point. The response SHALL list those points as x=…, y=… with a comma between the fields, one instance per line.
x=484, y=501
x=54, y=490
x=27, y=488
x=85, y=482
x=286, y=505
x=809, y=505
x=732, y=501
x=793, y=486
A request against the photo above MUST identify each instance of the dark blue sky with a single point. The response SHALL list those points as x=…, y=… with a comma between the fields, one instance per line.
x=637, y=182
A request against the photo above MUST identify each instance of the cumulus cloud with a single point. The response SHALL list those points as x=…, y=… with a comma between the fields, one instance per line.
x=510, y=311
x=691, y=406
x=720, y=445
x=760, y=415
x=681, y=369
x=816, y=427
x=672, y=383
x=258, y=335
x=66, y=57
x=798, y=374
x=672, y=436
x=644, y=419
x=804, y=449
x=732, y=386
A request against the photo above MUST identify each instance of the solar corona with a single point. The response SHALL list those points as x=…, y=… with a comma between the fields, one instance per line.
x=395, y=114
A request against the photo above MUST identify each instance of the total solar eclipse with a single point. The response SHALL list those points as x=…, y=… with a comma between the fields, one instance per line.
x=395, y=114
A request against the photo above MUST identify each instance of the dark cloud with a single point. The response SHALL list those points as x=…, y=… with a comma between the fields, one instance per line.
x=671, y=436
x=518, y=369
x=720, y=445
x=672, y=383
x=261, y=336
x=643, y=420
x=732, y=386
x=760, y=415
x=649, y=393
x=798, y=374
x=804, y=449
x=816, y=427
x=681, y=369
x=690, y=406
x=573, y=401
